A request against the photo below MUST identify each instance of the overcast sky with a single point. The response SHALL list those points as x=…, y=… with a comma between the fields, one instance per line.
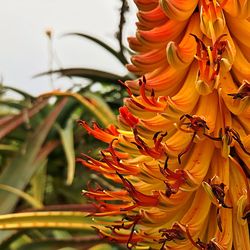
x=24, y=46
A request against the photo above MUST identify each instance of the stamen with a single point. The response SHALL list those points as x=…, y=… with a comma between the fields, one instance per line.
x=140, y=198
x=209, y=59
x=136, y=219
x=158, y=142
x=137, y=104
x=156, y=152
x=190, y=237
x=132, y=99
x=213, y=138
x=127, y=88
x=142, y=84
x=195, y=123
x=187, y=148
x=156, y=135
x=218, y=219
x=233, y=134
x=166, y=163
x=239, y=95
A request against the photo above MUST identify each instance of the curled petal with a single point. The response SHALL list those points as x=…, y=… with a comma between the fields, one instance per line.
x=160, y=36
x=150, y=60
x=212, y=19
x=187, y=96
x=241, y=66
x=203, y=88
x=178, y=9
x=238, y=8
x=239, y=29
x=150, y=19
x=146, y=5
x=105, y=135
x=241, y=205
x=196, y=215
x=182, y=54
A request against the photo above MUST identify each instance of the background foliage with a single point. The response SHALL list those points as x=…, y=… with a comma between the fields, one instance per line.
x=40, y=182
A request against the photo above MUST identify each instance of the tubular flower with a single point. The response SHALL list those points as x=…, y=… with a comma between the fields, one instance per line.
x=181, y=152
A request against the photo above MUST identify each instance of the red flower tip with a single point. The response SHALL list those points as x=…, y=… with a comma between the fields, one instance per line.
x=105, y=135
x=173, y=179
x=140, y=198
x=126, y=116
x=156, y=152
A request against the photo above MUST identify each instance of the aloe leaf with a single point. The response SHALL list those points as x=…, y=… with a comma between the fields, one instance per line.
x=101, y=247
x=22, y=167
x=87, y=102
x=50, y=219
x=12, y=123
x=21, y=240
x=11, y=239
x=102, y=44
x=21, y=92
x=5, y=119
x=102, y=106
x=4, y=147
x=88, y=208
x=12, y=105
x=93, y=74
x=55, y=244
x=38, y=182
x=67, y=138
x=70, y=108
x=31, y=200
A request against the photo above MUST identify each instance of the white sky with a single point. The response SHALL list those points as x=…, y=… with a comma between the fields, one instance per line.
x=24, y=46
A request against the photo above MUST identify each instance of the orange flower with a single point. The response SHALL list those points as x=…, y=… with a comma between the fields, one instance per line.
x=181, y=153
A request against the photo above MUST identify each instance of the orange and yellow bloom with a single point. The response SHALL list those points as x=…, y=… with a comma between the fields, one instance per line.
x=181, y=152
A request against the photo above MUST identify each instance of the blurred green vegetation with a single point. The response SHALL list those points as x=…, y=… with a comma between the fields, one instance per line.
x=40, y=182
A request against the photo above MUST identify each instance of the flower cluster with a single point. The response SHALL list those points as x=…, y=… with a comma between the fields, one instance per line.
x=181, y=152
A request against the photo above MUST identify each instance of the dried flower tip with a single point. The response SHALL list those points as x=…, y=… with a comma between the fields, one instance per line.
x=49, y=32
x=211, y=245
x=231, y=134
x=175, y=233
x=219, y=193
x=216, y=193
x=195, y=122
x=243, y=91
